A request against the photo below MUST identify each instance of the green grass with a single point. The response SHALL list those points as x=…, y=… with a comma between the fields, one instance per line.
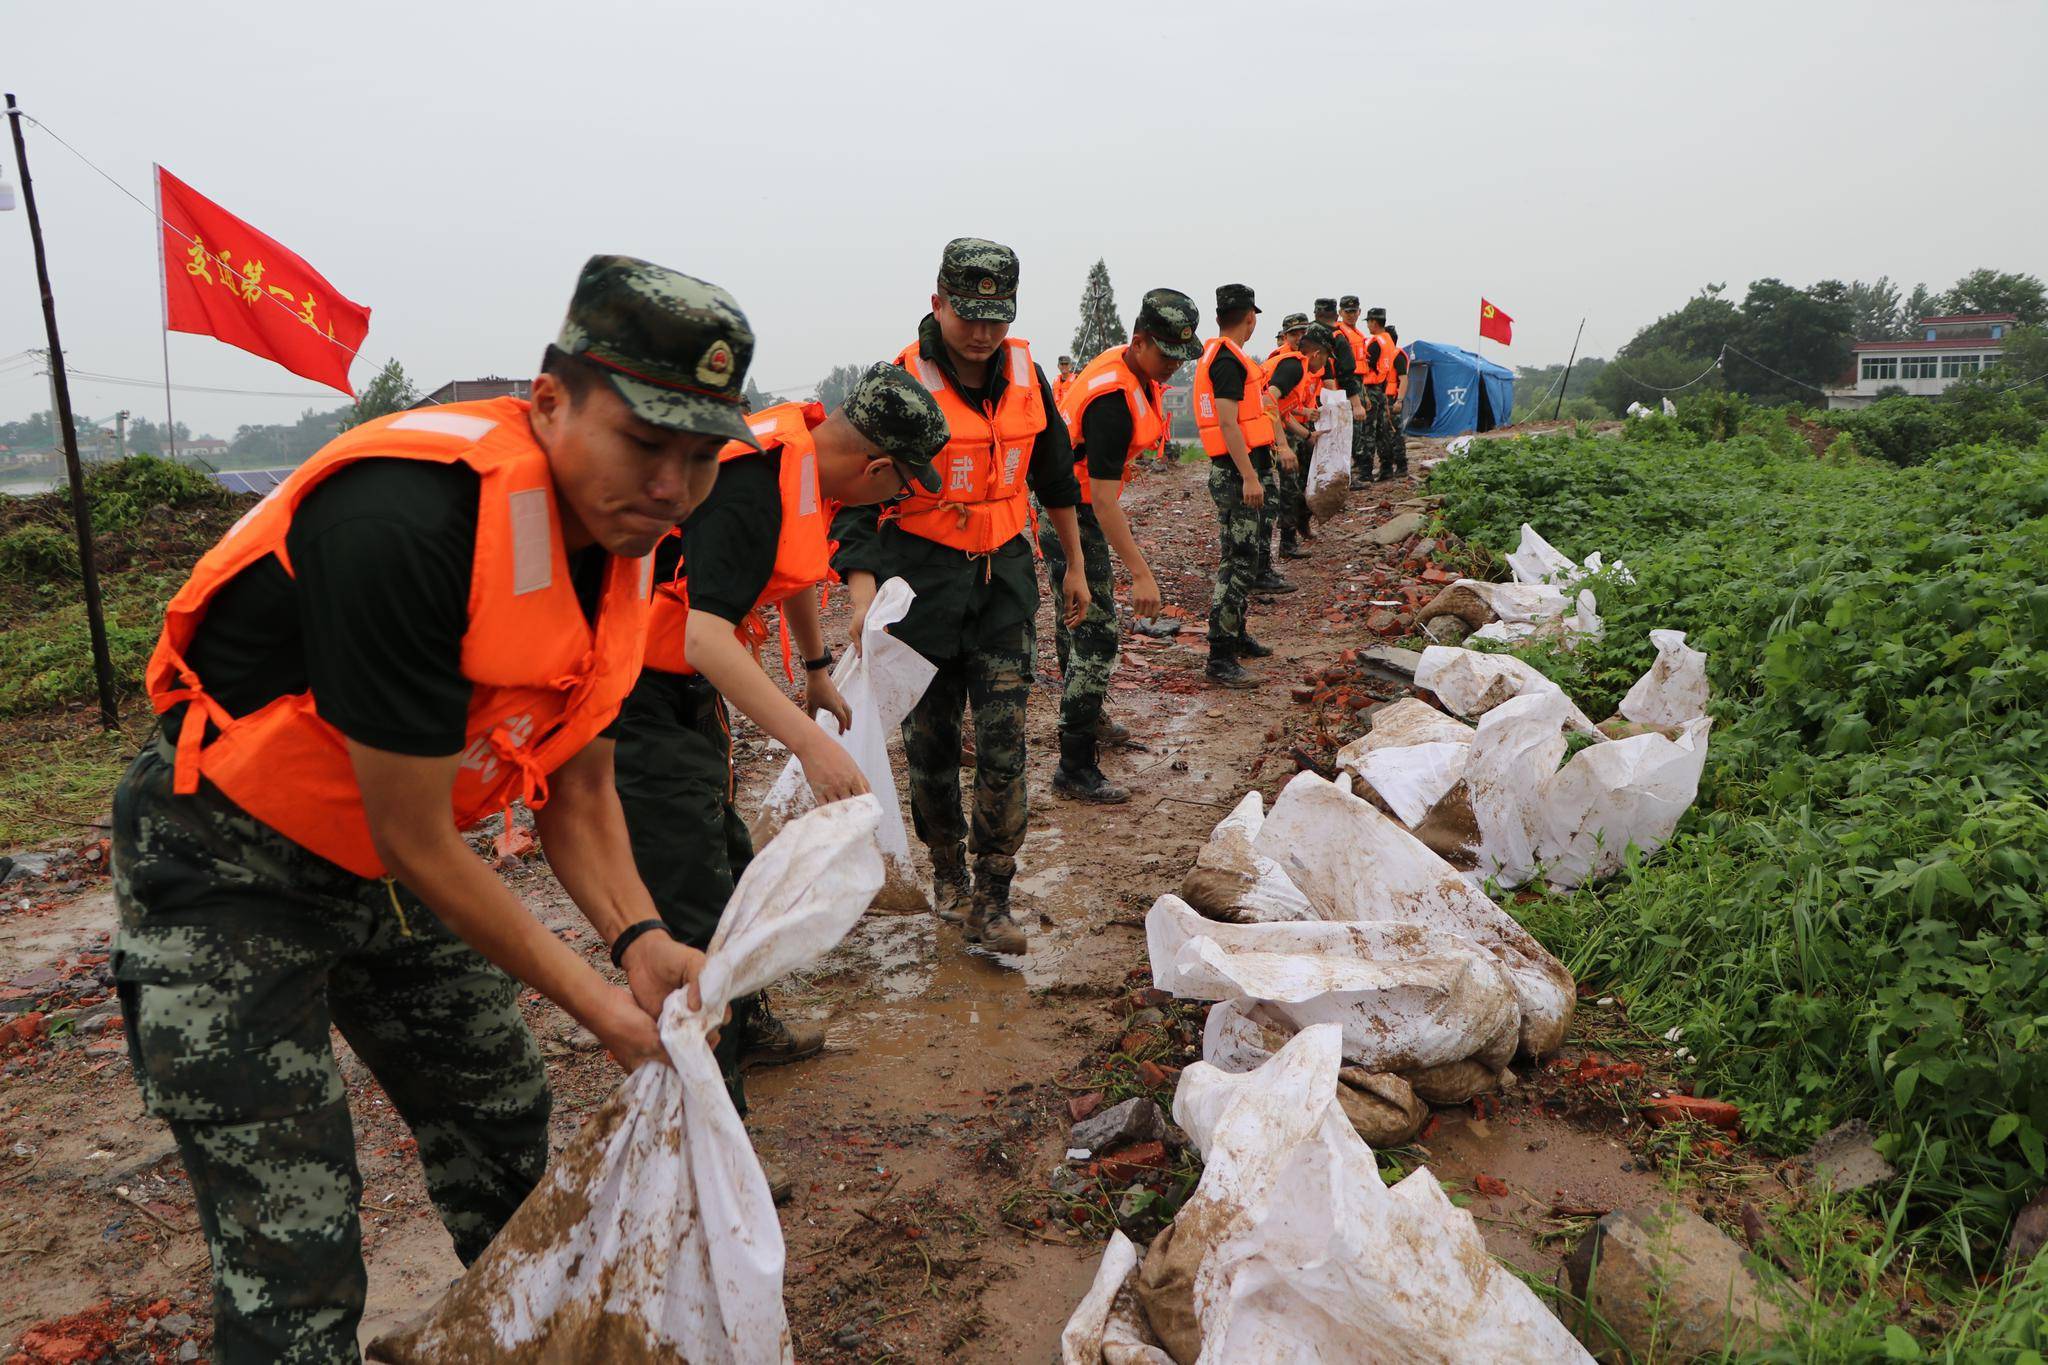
x=58, y=778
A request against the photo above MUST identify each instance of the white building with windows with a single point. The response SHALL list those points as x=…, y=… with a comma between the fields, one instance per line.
x=1943, y=351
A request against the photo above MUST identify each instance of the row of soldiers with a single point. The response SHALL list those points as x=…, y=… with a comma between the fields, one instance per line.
x=557, y=601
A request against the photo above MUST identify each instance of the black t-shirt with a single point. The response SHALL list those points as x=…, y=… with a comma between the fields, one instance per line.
x=1106, y=430
x=1400, y=362
x=1344, y=365
x=1286, y=374
x=728, y=544
x=372, y=616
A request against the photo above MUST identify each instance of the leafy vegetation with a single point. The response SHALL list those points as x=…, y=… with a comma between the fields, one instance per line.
x=1854, y=918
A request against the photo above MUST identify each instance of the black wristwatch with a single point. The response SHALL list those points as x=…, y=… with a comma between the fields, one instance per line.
x=626, y=939
x=813, y=665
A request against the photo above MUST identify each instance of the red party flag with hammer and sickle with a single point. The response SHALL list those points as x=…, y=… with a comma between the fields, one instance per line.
x=225, y=279
x=1495, y=325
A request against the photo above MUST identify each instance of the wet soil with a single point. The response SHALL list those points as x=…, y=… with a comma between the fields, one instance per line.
x=938, y=1106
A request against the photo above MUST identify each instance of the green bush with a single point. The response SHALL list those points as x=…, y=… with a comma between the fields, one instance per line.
x=121, y=492
x=1854, y=917
x=36, y=553
x=1906, y=430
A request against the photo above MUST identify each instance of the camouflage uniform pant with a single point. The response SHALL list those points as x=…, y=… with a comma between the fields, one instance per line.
x=994, y=678
x=1293, y=515
x=1361, y=442
x=238, y=949
x=1396, y=447
x=1237, y=553
x=1379, y=434
x=1269, y=513
x=673, y=770
x=1087, y=654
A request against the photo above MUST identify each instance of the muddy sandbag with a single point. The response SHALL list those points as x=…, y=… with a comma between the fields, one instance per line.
x=1470, y=684
x=1328, y=481
x=1404, y=996
x=1384, y=1108
x=1453, y=1082
x=1166, y=1289
x=1674, y=691
x=653, y=1236
x=1232, y=882
x=1354, y=863
x=1108, y=1326
x=1573, y=820
x=1302, y=1252
x=880, y=682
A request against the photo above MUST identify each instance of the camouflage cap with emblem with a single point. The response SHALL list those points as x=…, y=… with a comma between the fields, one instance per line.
x=1375, y=315
x=1171, y=319
x=1294, y=322
x=897, y=413
x=979, y=279
x=1320, y=335
x=1231, y=298
x=674, y=347
x=1349, y=303
x=1326, y=308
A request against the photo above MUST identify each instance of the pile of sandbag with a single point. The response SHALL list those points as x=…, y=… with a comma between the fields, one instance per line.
x=1506, y=798
x=1534, y=606
x=1292, y=1247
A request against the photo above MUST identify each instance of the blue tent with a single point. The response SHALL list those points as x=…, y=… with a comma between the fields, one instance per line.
x=1452, y=391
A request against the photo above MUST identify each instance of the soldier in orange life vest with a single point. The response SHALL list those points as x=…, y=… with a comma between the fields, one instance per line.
x=1380, y=384
x=965, y=550
x=761, y=538
x=1397, y=402
x=1294, y=375
x=434, y=617
x=1237, y=433
x=1362, y=434
x=1064, y=380
x=1112, y=415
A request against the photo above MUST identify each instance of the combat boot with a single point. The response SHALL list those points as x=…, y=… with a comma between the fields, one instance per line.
x=1078, y=776
x=988, y=914
x=951, y=889
x=1270, y=581
x=771, y=1041
x=1109, y=732
x=1290, y=546
x=1249, y=648
x=1225, y=671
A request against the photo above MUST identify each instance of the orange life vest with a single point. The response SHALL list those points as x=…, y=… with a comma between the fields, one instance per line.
x=803, y=551
x=983, y=500
x=1382, y=374
x=544, y=681
x=1060, y=384
x=1306, y=393
x=1394, y=371
x=1252, y=418
x=1357, y=340
x=1112, y=370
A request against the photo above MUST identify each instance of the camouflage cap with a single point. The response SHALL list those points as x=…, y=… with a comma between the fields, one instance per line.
x=1325, y=306
x=1375, y=315
x=1293, y=322
x=1231, y=297
x=1171, y=319
x=1319, y=335
x=674, y=347
x=1066, y=360
x=1348, y=303
x=890, y=408
x=979, y=278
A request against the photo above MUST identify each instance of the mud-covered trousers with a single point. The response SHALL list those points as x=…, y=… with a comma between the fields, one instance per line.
x=1393, y=440
x=237, y=951
x=1237, y=551
x=1273, y=512
x=672, y=764
x=1380, y=436
x=1088, y=653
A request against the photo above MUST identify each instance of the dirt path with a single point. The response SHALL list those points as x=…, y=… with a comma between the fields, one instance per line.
x=938, y=1105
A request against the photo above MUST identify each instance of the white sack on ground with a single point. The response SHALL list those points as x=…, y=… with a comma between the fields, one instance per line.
x=1233, y=882
x=881, y=684
x=1674, y=691
x=653, y=1235
x=1574, y=822
x=1412, y=780
x=1536, y=560
x=1353, y=863
x=1301, y=1251
x=1470, y=683
x=1407, y=997
x=1329, y=464
x=1107, y=1327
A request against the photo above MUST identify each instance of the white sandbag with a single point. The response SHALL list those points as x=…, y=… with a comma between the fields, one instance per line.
x=1674, y=691
x=653, y=1236
x=1232, y=881
x=1458, y=445
x=1405, y=996
x=880, y=684
x=1410, y=720
x=1584, y=623
x=1412, y=780
x=1536, y=560
x=1329, y=464
x=1306, y=1255
x=1575, y=822
x=1354, y=863
x=1670, y=408
x=1107, y=1328
x=1470, y=683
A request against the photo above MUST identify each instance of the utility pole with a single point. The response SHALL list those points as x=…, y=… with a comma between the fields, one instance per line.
x=95, y=616
x=121, y=432
x=1566, y=382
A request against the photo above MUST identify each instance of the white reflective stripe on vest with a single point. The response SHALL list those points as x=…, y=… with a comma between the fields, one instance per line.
x=445, y=424
x=928, y=375
x=1020, y=364
x=533, y=560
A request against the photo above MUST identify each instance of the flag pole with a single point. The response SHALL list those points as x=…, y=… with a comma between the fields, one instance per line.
x=163, y=300
x=102, y=661
x=1567, y=380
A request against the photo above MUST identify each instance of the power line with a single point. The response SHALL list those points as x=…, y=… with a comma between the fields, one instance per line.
x=1658, y=388
x=1725, y=348
x=133, y=382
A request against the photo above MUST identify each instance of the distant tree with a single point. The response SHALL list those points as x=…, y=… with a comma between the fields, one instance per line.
x=147, y=438
x=1879, y=311
x=1921, y=303
x=1536, y=389
x=1701, y=328
x=1100, y=327
x=1994, y=291
x=1802, y=334
x=389, y=392
x=834, y=387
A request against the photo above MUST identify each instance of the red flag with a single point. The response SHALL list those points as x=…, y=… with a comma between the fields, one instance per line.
x=1495, y=325
x=223, y=278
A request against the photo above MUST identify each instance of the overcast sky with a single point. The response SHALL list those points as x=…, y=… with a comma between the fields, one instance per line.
x=453, y=172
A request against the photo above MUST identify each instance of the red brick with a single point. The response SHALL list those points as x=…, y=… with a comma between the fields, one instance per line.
x=1081, y=1106
x=1128, y=1163
x=1674, y=1108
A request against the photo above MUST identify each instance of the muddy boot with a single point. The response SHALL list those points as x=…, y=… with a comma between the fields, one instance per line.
x=988, y=914
x=771, y=1041
x=1270, y=581
x=1290, y=546
x=1249, y=648
x=1225, y=671
x=1108, y=731
x=951, y=889
x=1079, y=777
